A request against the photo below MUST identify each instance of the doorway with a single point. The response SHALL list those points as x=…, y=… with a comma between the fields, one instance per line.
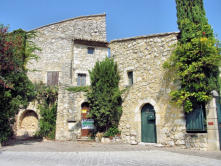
x=148, y=124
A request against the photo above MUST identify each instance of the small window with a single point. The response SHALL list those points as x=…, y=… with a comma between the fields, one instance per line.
x=52, y=78
x=90, y=50
x=81, y=80
x=130, y=78
x=196, y=121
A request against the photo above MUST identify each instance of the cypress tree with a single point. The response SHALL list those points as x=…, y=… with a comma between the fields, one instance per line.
x=196, y=58
x=104, y=96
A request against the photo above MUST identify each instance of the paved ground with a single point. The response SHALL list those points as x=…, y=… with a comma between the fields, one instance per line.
x=36, y=153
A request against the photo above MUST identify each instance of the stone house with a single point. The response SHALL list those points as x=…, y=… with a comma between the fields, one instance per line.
x=71, y=47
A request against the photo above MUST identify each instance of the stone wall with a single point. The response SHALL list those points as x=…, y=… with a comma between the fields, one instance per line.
x=68, y=123
x=145, y=56
x=59, y=52
x=56, y=43
x=196, y=141
x=27, y=121
x=83, y=62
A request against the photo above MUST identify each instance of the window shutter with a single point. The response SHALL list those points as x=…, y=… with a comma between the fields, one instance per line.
x=79, y=80
x=55, y=78
x=49, y=78
x=52, y=78
x=195, y=121
x=83, y=79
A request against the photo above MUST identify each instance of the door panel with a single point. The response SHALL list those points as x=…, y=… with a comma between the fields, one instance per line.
x=148, y=125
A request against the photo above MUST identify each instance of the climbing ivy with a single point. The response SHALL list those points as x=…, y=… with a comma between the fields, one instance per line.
x=47, y=97
x=196, y=58
x=78, y=89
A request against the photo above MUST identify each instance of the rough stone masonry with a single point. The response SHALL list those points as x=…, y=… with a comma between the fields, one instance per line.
x=72, y=47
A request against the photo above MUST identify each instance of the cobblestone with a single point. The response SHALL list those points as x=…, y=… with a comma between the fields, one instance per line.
x=98, y=158
x=57, y=153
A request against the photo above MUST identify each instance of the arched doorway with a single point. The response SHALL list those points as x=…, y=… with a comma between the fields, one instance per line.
x=148, y=124
x=28, y=125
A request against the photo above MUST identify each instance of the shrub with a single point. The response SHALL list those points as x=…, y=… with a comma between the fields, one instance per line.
x=104, y=96
x=111, y=132
x=16, y=90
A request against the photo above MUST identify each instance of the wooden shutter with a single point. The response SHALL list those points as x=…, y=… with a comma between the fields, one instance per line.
x=49, y=78
x=195, y=121
x=52, y=78
x=55, y=78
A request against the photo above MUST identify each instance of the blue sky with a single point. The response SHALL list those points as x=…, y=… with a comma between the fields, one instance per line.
x=125, y=18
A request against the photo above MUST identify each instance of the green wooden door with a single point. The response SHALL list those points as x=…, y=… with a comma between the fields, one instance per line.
x=148, y=125
x=219, y=118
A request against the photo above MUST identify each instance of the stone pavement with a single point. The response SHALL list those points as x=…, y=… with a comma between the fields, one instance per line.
x=56, y=153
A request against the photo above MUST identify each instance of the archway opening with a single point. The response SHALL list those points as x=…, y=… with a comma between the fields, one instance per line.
x=28, y=125
x=148, y=124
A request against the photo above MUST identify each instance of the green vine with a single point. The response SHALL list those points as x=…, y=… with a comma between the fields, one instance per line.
x=78, y=89
x=196, y=58
x=47, y=97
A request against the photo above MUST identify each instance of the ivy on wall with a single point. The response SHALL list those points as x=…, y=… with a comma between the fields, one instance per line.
x=47, y=97
x=75, y=89
x=196, y=58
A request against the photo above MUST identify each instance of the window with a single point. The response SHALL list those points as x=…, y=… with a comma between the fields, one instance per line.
x=196, y=121
x=130, y=77
x=81, y=80
x=90, y=50
x=52, y=78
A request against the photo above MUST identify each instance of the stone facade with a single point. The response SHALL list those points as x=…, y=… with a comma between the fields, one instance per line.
x=57, y=45
x=64, y=49
x=144, y=56
x=72, y=47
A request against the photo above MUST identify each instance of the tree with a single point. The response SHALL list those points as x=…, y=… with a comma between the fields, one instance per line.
x=196, y=58
x=16, y=90
x=104, y=96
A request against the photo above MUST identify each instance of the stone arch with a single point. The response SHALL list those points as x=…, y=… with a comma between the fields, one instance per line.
x=27, y=123
x=138, y=109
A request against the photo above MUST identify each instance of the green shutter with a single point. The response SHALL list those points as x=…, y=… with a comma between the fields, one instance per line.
x=195, y=121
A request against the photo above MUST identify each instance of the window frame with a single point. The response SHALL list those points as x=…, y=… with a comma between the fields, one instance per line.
x=81, y=79
x=90, y=50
